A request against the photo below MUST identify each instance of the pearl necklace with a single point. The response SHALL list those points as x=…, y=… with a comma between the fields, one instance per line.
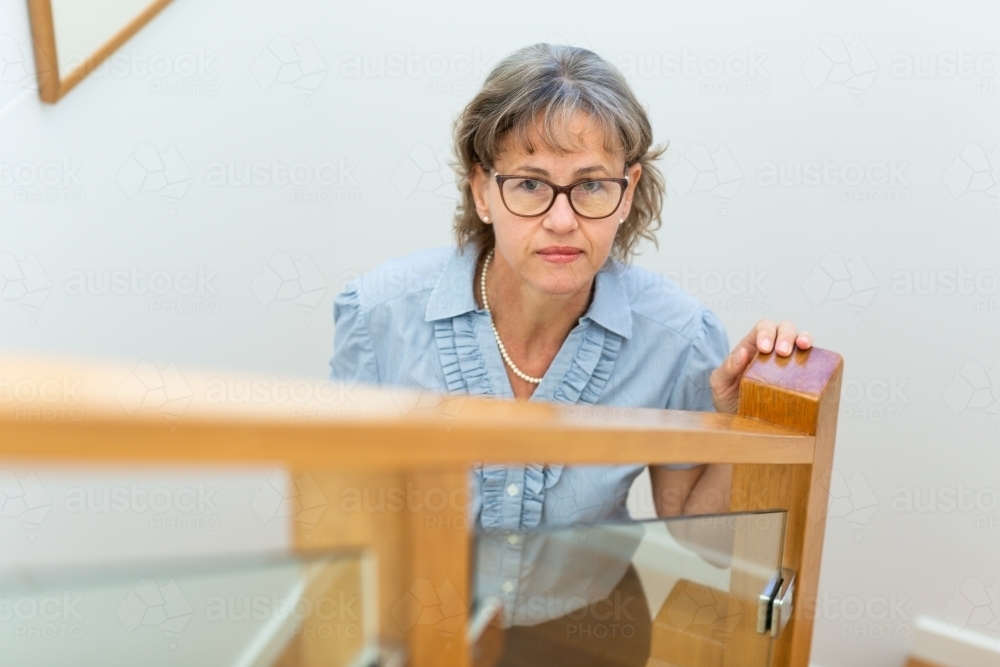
x=503, y=351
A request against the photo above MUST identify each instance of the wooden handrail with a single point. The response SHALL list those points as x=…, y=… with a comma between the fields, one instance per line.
x=352, y=426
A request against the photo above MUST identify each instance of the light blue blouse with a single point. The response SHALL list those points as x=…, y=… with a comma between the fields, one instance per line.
x=413, y=322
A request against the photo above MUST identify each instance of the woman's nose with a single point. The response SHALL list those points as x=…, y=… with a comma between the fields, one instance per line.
x=561, y=218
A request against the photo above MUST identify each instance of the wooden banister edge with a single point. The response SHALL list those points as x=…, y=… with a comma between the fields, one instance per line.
x=71, y=410
x=805, y=374
x=388, y=445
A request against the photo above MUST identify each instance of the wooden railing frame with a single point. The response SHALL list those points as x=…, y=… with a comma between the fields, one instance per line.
x=780, y=442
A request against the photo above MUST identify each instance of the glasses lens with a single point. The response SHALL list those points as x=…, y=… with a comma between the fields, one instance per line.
x=526, y=196
x=596, y=199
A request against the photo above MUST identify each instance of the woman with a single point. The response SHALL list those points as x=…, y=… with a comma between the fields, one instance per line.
x=539, y=302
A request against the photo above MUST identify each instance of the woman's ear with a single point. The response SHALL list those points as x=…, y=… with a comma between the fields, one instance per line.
x=479, y=183
x=634, y=174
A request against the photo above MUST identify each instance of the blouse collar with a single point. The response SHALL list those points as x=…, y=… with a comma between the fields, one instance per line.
x=452, y=295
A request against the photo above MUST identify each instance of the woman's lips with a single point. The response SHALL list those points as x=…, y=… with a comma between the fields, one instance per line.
x=559, y=254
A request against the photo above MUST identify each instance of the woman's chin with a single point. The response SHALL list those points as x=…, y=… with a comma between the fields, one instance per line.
x=564, y=287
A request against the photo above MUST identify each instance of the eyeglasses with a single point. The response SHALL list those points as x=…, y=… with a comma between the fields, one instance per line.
x=593, y=198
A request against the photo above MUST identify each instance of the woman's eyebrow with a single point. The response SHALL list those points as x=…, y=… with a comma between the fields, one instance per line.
x=583, y=171
x=589, y=170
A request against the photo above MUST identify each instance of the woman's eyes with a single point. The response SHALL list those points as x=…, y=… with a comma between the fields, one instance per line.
x=587, y=187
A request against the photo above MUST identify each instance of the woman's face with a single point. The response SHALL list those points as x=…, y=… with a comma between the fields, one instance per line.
x=558, y=252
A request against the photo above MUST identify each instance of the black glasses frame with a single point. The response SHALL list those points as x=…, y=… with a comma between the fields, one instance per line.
x=563, y=189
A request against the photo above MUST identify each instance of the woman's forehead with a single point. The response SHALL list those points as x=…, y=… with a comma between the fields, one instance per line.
x=552, y=139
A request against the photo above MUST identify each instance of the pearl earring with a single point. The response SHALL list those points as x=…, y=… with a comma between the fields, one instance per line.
x=621, y=220
x=486, y=218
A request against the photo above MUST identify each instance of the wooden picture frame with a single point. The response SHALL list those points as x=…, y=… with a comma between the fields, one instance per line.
x=53, y=84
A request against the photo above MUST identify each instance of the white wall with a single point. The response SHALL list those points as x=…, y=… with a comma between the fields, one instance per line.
x=910, y=191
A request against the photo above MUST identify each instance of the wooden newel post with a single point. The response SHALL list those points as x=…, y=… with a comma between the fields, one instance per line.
x=800, y=392
x=416, y=525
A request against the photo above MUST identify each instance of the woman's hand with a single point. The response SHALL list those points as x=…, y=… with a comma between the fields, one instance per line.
x=766, y=336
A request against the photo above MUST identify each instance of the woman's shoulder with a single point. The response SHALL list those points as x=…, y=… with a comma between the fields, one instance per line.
x=662, y=302
x=411, y=277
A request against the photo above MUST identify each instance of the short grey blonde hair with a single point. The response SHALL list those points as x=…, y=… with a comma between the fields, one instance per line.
x=553, y=82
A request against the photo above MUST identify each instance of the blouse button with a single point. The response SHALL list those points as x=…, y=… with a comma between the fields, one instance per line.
x=512, y=490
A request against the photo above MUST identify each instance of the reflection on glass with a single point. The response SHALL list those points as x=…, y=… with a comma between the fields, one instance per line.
x=239, y=612
x=680, y=592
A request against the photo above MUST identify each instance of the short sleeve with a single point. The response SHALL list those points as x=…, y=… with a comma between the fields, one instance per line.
x=707, y=351
x=353, y=349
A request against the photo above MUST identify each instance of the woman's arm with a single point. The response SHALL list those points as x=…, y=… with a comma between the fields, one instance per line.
x=701, y=490
x=353, y=349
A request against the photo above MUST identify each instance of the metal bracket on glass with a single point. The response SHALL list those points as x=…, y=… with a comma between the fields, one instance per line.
x=774, y=606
